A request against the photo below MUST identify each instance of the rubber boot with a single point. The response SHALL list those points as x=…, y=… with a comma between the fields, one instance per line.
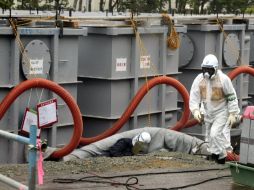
x=212, y=157
x=215, y=157
x=221, y=161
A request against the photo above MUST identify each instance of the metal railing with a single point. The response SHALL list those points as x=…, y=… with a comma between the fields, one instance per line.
x=31, y=142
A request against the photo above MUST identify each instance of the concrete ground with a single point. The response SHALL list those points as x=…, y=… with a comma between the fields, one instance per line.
x=161, y=170
x=148, y=179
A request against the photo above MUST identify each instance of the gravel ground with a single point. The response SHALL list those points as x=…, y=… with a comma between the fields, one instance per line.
x=150, y=161
x=159, y=165
x=155, y=160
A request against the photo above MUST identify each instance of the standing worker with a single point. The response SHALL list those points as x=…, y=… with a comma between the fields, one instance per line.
x=213, y=102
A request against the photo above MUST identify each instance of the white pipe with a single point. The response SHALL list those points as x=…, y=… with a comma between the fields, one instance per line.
x=14, y=137
x=12, y=183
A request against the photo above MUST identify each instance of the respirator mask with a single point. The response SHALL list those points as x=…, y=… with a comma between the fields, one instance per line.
x=208, y=72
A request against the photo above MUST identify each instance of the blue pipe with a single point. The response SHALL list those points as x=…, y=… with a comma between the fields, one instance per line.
x=32, y=157
x=14, y=137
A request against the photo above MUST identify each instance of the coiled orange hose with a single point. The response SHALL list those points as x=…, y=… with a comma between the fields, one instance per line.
x=136, y=100
x=240, y=70
x=64, y=94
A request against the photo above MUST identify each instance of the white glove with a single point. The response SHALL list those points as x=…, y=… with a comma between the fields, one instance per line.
x=231, y=119
x=197, y=115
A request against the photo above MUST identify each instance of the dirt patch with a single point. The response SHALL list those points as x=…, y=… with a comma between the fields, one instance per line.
x=155, y=160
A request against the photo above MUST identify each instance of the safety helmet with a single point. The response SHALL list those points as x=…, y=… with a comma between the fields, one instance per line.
x=209, y=66
x=144, y=137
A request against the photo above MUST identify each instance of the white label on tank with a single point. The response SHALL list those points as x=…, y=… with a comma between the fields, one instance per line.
x=121, y=64
x=36, y=66
x=145, y=62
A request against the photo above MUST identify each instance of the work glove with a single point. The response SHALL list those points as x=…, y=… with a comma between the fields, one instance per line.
x=232, y=119
x=197, y=115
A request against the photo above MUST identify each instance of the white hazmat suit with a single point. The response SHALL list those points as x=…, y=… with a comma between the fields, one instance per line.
x=213, y=100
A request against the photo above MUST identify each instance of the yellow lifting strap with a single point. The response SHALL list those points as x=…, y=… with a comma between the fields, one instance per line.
x=143, y=52
x=173, y=39
x=14, y=27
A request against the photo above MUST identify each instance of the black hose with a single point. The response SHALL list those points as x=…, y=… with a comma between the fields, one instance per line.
x=131, y=186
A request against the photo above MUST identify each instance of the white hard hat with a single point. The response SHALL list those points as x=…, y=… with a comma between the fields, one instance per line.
x=142, y=137
x=210, y=61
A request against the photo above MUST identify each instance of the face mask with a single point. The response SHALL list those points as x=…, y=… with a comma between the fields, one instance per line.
x=208, y=73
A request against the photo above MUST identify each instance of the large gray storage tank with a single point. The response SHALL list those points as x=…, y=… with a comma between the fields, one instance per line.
x=113, y=68
x=58, y=59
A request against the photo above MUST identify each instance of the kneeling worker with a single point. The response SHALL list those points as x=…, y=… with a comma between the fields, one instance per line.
x=130, y=147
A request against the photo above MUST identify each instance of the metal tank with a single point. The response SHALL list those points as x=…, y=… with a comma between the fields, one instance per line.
x=53, y=54
x=113, y=68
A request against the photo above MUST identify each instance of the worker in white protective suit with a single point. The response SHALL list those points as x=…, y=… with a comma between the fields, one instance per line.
x=213, y=102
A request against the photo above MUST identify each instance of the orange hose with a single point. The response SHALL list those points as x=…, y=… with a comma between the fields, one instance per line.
x=64, y=94
x=239, y=70
x=231, y=156
x=136, y=100
x=191, y=123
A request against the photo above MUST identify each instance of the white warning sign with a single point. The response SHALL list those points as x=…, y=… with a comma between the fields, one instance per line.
x=121, y=64
x=145, y=62
x=36, y=66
